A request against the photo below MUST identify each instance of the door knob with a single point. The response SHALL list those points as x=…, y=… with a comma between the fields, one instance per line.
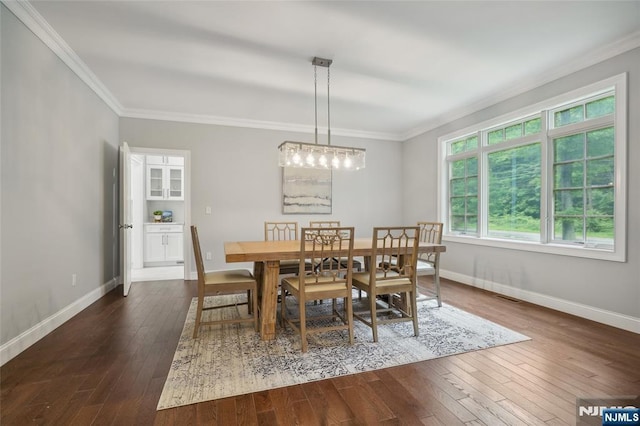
x=125, y=226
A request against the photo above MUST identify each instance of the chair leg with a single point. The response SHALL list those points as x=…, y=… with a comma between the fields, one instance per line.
x=254, y=309
x=374, y=316
x=436, y=279
x=283, y=314
x=334, y=309
x=348, y=303
x=198, y=316
x=249, y=304
x=303, y=323
x=414, y=312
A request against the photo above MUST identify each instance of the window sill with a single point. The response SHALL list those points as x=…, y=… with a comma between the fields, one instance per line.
x=532, y=246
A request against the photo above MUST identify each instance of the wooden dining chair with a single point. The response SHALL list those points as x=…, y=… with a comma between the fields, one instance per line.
x=329, y=280
x=222, y=283
x=429, y=263
x=278, y=231
x=357, y=265
x=392, y=270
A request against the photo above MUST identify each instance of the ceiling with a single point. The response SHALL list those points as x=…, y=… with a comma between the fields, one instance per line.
x=398, y=67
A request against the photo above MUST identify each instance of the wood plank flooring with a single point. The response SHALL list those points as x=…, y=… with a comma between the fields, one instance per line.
x=107, y=366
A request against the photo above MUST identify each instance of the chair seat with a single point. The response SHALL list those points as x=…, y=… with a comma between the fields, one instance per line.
x=425, y=268
x=362, y=279
x=323, y=285
x=228, y=277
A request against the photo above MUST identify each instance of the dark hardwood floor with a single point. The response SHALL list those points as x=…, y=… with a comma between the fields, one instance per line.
x=107, y=366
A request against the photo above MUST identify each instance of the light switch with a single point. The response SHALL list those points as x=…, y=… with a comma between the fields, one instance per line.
x=207, y=210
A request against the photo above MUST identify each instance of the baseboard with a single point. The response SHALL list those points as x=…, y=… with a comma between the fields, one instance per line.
x=19, y=343
x=603, y=316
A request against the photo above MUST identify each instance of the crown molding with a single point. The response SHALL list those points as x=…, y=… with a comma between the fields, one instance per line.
x=32, y=19
x=253, y=124
x=608, y=51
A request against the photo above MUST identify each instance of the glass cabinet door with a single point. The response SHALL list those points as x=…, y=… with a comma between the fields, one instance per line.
x=176, y=183
x=155, y=182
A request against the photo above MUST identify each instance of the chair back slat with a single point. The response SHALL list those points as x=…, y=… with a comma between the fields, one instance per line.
x=325, y=248
x=197, y=253
x=324, y=224
x=278, y=231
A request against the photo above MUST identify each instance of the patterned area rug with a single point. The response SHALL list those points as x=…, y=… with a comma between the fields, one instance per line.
x=231, y=360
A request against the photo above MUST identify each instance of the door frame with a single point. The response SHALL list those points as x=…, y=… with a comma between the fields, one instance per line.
x=186, y=154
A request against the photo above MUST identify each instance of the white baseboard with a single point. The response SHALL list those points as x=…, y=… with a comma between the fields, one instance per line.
x=19, y=343
x=603, y=316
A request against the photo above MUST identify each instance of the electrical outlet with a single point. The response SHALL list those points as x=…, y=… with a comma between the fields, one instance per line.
x=74, y=279
x=208, y=255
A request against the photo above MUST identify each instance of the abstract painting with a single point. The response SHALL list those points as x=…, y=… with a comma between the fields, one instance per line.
x=306, y=191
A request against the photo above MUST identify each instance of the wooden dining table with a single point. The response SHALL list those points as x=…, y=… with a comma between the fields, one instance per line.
x=266, y=257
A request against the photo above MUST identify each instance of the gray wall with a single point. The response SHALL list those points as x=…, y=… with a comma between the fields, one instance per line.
x=611, y=286
x=58, y=151
x=235, y=171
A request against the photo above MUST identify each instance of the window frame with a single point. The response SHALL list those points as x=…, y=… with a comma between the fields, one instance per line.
x=548, y=132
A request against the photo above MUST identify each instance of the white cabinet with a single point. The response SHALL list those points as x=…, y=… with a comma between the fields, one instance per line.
x=163, y=243
x=165, y=177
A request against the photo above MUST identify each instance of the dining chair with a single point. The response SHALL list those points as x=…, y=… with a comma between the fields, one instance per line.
x=392, y=270
x=357, y=265
x=329, y=280
x=220, y=283
x=429, y=263
x=278, y=231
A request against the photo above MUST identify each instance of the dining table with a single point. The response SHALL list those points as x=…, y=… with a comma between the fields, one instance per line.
x=266, y=257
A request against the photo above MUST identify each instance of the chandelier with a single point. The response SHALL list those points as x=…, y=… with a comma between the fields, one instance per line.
x=315, y=155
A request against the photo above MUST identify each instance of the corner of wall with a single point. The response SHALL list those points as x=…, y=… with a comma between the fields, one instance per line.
x=20, y=343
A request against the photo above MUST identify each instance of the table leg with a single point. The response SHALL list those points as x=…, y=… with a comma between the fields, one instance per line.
x=269, y=301
x=258, y=274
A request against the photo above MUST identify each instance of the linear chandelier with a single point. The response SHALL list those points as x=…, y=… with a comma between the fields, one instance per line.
x=315, y=155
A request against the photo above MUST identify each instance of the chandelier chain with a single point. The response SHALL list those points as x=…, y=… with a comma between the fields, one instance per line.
x=315, y=98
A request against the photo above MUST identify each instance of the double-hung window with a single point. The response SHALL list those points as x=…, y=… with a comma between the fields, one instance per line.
x=549, y=178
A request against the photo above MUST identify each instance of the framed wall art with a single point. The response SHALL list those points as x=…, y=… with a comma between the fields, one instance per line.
x=306, y=191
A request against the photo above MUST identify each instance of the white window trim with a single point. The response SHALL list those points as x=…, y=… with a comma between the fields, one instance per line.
x=619, y=253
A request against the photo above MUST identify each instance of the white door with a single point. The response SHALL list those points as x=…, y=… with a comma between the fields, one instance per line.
x=125, y=216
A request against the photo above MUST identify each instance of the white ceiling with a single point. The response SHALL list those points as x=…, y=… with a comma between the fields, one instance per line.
x=399, y=67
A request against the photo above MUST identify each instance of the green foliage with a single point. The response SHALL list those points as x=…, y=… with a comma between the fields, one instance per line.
x=514, y=182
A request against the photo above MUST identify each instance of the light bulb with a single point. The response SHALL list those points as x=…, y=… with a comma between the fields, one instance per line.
x=322, y=160
x=335, y=162
x=347, y=162
x=296, y=158
x=310, y=159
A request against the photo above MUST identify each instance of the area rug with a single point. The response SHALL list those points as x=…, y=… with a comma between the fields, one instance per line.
x=231, y=360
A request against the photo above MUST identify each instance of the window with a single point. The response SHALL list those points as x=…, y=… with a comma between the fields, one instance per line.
x=548, y=178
